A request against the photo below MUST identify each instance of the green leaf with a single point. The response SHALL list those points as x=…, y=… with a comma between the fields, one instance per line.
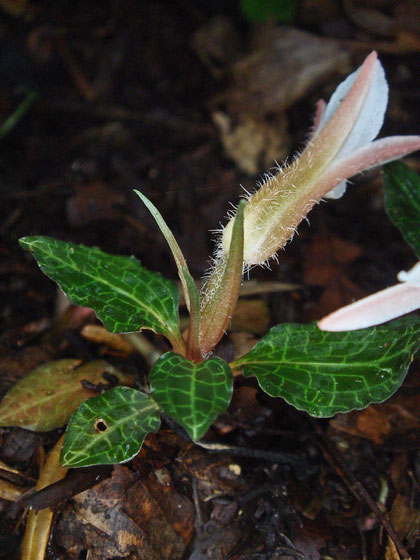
x=329, y=372
x=191, y=293
x=46, y=398
x=109, y=428
x=125, y=296
x=179, y=258
x=402, y=201
x=192, y=394
x=261, y=10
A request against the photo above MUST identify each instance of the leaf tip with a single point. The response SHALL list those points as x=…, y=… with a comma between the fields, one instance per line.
x=25, y=243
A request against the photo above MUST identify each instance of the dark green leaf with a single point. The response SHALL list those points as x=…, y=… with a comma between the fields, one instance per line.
x=192, y=394
x=125, y=296
x=329, y=372
x=261, y=10
x=109, y=428
x=402, y=200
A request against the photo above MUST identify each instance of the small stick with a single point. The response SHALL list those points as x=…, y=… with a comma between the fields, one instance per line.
x=337, y=460
x=82, y=83
x=282, y=457
x=198, y=516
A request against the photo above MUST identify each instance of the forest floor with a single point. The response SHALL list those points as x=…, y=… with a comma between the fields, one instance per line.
x=186, y=101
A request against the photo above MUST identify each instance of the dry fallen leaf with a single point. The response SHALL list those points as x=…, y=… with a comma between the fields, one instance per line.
x=123, y=515
x=99, y=334
x=48, y=395
x=283, y=67
x=10, y=491
x=38, y=525
x=388, y=422
x=251, y=316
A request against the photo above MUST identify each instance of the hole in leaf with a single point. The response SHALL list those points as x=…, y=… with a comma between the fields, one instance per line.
x=101, y=425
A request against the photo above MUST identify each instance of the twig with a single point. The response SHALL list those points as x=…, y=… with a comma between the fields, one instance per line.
x=140, y=343
x=293, y=460
x=198, y=515
x=81, y=81
x=337, y=461
x=282, y=457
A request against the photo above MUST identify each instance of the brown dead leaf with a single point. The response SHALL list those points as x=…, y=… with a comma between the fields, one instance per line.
x=283, y=67
x=99, y=335
x=94, y=521
x=38, y=525
x=398, y=473
x=383, y=423
x=325, y=257
x=310, y=538
x=122, y=516
x=161, y=507
x=326, y=264
x=48, y=395
x=78, y=480
x=405, y=518
x=251, y=316
x=20, y=446
x=215, y=474
x=253, y=143
x=92, y=203
x=340, y=292
x=158, y=451
x=391, y=552
x=10, y=491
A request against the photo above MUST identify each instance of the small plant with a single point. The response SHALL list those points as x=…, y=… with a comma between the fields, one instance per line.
x=314, y=370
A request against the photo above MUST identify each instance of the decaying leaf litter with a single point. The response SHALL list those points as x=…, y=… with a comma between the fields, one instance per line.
x=124, y=113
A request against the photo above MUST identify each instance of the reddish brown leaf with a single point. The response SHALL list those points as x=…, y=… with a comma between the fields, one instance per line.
x=383, y=423
x=325, y=260
x=123, y=515
x=177, y=508
x=92, y=203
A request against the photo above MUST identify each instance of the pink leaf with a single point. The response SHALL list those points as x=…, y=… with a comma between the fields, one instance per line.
x=373, y=310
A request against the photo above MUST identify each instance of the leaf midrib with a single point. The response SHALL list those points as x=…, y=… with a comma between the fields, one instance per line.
x=234, y=365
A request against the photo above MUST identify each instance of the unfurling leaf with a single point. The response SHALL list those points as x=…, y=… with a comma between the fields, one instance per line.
x=221, y=291
x=125, y=296
x=47, y=397
x=109, y=428
x=192, y=394
x=325, y=373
